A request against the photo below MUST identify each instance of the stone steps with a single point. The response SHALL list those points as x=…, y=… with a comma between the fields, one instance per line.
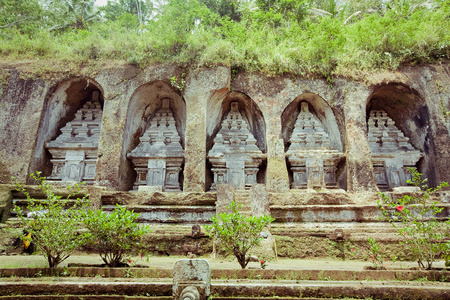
x=243, y=200
x=143, y=288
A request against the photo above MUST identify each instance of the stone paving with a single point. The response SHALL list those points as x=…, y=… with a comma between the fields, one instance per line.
x=168, y=262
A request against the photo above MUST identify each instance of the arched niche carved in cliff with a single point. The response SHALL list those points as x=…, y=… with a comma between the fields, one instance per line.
x=153, y=155
x=69, y=131
x=399, y=135
x=313, y=144
x=235, y=141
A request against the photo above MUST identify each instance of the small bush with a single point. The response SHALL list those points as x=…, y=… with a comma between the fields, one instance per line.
x=414, y=217
x=373, y=254
x=53, y=226
x=114, y=234
x=238, y=233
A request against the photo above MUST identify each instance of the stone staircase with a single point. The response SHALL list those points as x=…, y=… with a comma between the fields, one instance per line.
x=243, y=200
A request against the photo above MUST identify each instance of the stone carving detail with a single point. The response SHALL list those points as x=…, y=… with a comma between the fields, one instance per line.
x=312, y=159
x=391, y=151
x=191, y=280
x=159, y=156
x=235, y=157
x=74, y=151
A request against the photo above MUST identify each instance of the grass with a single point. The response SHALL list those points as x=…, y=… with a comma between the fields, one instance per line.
x=321, y=47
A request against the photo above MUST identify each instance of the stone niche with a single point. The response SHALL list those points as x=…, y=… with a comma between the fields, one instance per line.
x=311, y=157
x=402, y=116
x=391, y=151
x=74, y=151
x=159, y=156
x=66, y=102
x=153, y=147
x=235, y=156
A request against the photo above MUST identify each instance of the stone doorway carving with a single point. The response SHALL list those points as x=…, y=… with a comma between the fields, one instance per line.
x=235, y=156
x=312, y=159
x=405, y=117
x=391, y=151
x=159, y=156
x=156, y=119
x=74, y=151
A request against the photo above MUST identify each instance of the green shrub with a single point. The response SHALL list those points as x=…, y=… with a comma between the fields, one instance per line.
x=54, y=225
x=414, y=217
x=238, y=233
x=114, y=234
x=373, y=254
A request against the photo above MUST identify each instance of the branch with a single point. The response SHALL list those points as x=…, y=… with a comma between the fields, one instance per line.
x=8, y=25
x=352, y=15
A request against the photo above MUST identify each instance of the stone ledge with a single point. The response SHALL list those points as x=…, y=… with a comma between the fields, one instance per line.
x=221, y=289
x=101, y=274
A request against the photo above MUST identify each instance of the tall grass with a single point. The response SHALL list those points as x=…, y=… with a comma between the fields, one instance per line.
x=319, y=47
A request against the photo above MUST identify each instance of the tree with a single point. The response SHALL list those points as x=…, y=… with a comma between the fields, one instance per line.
x=24, y=16
x=238, y=233
x=141, y=9
x=224, y=8
x=73, y=13
x=53, y=223
x=289, y=9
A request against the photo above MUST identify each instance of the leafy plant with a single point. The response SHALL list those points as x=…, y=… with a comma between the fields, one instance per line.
x=319, y=38
x=446, y=254
x=238, y=233
x=414, y=218
x=114, y=234
x=74, y=13
x=373, y=254
x=263, y=263
x=178, y=84
x=54, y=222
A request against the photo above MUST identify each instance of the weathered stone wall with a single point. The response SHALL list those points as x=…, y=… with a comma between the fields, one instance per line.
x=33, y=110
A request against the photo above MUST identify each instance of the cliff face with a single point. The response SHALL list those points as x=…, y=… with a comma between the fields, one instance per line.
x=33, y=112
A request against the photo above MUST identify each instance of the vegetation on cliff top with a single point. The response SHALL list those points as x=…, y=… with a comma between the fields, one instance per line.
x=306, y=37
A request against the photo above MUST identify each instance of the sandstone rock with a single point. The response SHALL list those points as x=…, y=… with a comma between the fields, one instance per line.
x=225, y=195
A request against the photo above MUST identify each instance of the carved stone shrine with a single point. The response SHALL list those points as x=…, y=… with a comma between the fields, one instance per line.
x=312, y=159
x=159, y=156
x=74, y=151
x=235, y=157
x=390, y=150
